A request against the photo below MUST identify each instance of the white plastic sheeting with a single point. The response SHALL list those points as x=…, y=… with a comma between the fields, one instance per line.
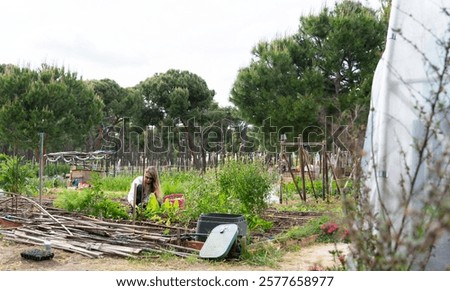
x=405, y=82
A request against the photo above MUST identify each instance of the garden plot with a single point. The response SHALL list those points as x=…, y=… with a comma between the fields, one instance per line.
x=86, y=235
x=24, y=221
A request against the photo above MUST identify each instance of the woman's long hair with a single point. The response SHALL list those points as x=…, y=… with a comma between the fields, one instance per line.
x=154, y=185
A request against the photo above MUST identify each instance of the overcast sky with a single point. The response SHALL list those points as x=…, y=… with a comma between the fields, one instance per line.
x=130, y=40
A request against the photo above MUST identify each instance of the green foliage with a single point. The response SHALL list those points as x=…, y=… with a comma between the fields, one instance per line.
x=255, y=222
x=175, y=182
x=180, y=93
x=271, y=87
x=91, y=201
x=54, y=177
x=179, y=99
x=118, y=183
x=14, y=175
x=33, y=184
x=325, y=69
x=50, y=100
x=249, y=183
x=120, y=105
x=175, y=187
x=202, y=196
x=119, y=102
x=56, y=169
x=165, y=213
x=266, y=254
x=314, y=189
x=312, y=227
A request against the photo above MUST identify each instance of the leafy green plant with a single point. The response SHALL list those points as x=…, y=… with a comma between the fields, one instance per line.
x=175, y=182
x=170, y=211
x=165, y=213
x=255, y=222
x=172, y=187
x=32, y=184
x=14, y=175
x=91, y=201
x=247, y=182
x=202, y=196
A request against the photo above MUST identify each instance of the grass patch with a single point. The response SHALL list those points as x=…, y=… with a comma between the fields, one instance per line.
x=262, y=254
x=312, y=227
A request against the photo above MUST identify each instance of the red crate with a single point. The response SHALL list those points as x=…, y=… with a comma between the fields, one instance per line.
x=175, y=197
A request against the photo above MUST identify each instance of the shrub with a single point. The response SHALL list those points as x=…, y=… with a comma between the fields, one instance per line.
x=249, y=183
x=332, y=232
x=91, y=201
x=13, y=174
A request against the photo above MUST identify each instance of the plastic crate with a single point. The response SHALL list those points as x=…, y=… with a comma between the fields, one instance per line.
x=175, y=197
x=207, y=222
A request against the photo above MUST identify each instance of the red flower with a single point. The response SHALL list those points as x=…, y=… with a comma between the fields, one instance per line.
x=329, y=228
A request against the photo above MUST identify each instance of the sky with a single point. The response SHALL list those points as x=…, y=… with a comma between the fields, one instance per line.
x=129, y=41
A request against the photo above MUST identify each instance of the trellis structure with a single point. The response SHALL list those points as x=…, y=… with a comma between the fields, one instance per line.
x=83, y=163
x=327, y=164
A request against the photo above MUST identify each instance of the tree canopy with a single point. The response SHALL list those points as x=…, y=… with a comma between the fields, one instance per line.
x=49, y=100
x=183, y=100
x=290, y=86
x=178, y=94
x=325, y=69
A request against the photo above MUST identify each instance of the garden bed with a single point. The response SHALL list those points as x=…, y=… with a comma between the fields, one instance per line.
x=93, y=237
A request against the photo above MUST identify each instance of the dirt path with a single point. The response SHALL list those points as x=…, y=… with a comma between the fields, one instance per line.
x=302, y=260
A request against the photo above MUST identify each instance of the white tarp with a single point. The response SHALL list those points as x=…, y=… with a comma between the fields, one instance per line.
x=402, y=96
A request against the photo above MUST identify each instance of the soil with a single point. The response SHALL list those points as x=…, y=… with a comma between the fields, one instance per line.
x=308, y=255
x=307, y=258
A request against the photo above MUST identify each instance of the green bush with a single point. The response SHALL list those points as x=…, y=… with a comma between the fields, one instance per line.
x=202, y=196
x=166, y=213
x=33, y=184
x=249, y=183
x=14, y=174
x=91, y=201
x=237, y=188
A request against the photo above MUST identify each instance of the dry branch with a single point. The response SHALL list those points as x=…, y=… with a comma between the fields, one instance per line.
x=93, y=237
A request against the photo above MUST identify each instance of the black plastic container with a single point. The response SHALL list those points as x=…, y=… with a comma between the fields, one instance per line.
x=208, y=221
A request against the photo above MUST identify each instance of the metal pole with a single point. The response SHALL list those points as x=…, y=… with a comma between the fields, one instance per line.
x=302, y=167
x=280, y=170
x=143, y=163
x=41, y=164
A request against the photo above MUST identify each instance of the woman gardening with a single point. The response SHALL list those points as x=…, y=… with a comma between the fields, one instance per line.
x=145, y=186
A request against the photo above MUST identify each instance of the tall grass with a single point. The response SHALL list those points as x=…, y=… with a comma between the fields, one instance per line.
x=120, y=183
